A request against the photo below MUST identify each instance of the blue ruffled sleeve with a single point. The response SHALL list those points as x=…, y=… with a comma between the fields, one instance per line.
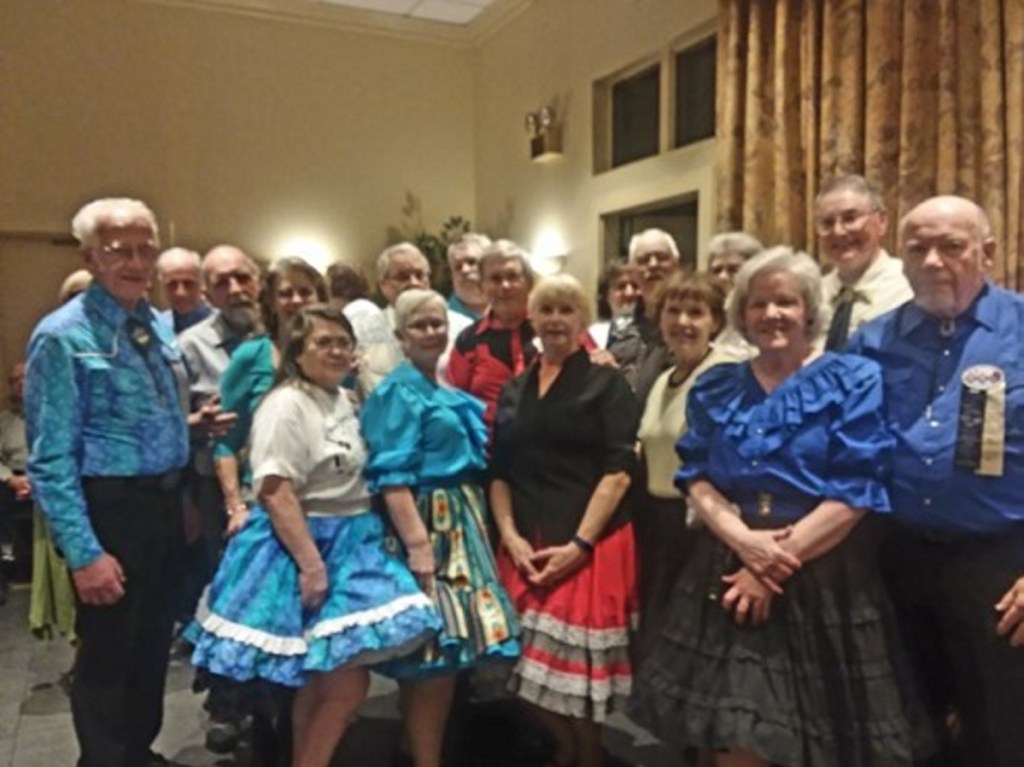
x=860, y=444
x=712, y=395
x=392, y=425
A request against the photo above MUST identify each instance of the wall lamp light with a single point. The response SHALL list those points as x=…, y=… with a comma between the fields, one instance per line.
x=545, y=135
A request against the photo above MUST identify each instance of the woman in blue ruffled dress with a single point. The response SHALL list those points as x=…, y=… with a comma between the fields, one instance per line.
x=427, y=458
x=307, y=595
x=780, y=646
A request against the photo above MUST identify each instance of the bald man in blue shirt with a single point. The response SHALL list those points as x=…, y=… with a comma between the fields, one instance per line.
x=953, y=364
x=105, y=405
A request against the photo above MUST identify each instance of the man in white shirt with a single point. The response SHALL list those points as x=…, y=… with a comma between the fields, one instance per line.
x=865, y=282
x=399, y=268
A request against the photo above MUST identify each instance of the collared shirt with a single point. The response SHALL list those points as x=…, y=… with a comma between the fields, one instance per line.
x=208, y=348
x=456, y=304
x=487, y=355
x=923, y=372
x=97, y=405
x=13, y=446
x=182, y=322
x=881, y=288
x=379, y=358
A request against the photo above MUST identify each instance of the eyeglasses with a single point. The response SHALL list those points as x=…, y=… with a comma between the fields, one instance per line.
x=332, y=343
x=512, y=278
x=849, y=220
x=124, y=252
x=223, y=281
x=657, y=256
x=408, y=275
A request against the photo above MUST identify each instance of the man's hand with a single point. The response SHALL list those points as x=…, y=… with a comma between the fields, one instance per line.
x=604, y=358
x=100, y=582
x=21, y=487
x=209, y=421
x=1011, y=606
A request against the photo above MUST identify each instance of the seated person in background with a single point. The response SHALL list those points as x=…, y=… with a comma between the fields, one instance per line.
x=15, y=488
x=780, y=646
x=468, y=295
x=617, y=293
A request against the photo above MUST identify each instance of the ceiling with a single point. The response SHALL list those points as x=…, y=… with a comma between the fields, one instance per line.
x=458, y=12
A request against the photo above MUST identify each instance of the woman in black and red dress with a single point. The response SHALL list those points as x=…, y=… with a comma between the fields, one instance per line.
x=563, y=459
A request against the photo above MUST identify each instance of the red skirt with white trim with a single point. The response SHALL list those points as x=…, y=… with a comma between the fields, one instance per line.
x=575, y=638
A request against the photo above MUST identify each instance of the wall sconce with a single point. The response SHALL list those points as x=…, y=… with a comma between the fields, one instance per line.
x=545, y=135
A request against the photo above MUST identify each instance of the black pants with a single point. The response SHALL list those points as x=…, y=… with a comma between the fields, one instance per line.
x=945, y=592
x=201, y=557
x=118, y=689
x=16, y=527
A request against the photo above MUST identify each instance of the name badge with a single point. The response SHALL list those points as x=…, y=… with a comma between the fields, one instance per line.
x=981, y=426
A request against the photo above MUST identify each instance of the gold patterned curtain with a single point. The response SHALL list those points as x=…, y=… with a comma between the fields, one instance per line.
x=920, y=96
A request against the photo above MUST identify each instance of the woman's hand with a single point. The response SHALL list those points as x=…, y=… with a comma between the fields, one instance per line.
x=556, y=563
x=236, y=519
x=748, y=598
x=313, y=586
x=421, y=562
x=763, y=553
x=521, y=553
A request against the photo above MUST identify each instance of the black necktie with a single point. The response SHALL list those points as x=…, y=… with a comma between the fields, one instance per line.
x=839, y=330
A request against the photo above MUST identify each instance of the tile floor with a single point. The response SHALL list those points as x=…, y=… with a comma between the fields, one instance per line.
x=36, y=730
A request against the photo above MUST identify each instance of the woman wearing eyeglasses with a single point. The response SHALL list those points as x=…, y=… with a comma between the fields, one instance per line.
x=307, y=596
x=427, y=460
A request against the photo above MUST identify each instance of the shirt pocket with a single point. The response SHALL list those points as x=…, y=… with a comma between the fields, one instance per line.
x=113, y=392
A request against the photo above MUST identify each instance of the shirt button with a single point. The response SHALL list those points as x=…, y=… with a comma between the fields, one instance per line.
x=928, y=460
x=942, y=388
x=945, y=353
x=927, y=501
x=753, y=463
x=934, y=424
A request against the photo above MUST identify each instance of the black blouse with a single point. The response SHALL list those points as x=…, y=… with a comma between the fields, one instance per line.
x=553, y=450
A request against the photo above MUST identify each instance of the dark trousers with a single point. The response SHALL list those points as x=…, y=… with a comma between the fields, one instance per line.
x=201, y=556
x=118, y=689
x=945, y=592
x=16, y=527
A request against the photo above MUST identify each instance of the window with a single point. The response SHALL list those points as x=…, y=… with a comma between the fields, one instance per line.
x=635, y=116
x=695, y=93
x=662, y=102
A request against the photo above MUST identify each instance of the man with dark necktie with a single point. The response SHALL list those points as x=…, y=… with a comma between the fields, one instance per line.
x=105, y=405
x=865, y=281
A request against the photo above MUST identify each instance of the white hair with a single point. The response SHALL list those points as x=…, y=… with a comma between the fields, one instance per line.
x=384, y=259
x=110, y=212
x=172, y=254
x=781, y=258
x=413, y=300
x=654, y=236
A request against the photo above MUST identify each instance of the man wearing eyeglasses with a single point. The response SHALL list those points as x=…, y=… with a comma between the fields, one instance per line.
x=231, y=282
x=105, y=403
x=953, y=368
x=865, y=281
x=399, y=267
x=636, y=344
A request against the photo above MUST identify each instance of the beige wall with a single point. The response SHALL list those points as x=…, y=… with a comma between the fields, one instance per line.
x=254, y=130
x=235, y=128
x=552, y=55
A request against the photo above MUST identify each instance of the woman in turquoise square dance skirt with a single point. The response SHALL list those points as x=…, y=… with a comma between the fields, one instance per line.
x=307, y=595
x=427, y=453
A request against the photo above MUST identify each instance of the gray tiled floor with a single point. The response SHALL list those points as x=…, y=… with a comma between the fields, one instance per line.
x=35, y=720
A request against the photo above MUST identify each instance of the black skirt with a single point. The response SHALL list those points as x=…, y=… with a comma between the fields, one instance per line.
x=823, y=682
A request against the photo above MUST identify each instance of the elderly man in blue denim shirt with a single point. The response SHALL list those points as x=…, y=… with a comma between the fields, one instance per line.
x=953, y=365
x=108, y=438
